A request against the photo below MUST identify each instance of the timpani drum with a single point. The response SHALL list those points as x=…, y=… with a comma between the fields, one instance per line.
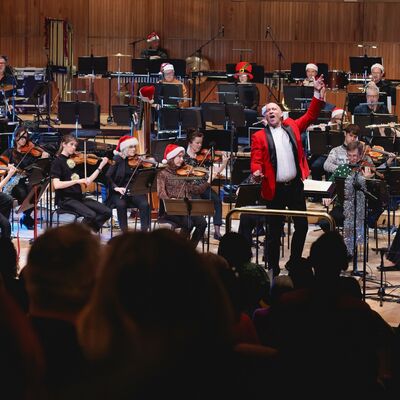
x=337, y=80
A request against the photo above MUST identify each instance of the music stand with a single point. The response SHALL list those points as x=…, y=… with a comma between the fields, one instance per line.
x=241, y=170
x=168, y=93
x=87, y=113
x=191, y=118
x=94, y=65
x=297, y=97
x=123, y=114
x=236, y=115
x=357, y=98
x=363, y=120
x=322, y=142
x=363, y=64
x=249, y=195
x=214, y=113
x=227, y=93
x=168, y=119
x=247, y=94
x=220, y=139
x=385, y=141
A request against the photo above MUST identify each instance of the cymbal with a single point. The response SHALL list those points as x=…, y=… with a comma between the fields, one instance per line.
x=7, y=87
x=196, y=64
x=120, y=55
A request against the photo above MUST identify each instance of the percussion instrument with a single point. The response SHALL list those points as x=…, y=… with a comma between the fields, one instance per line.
x=336, y=79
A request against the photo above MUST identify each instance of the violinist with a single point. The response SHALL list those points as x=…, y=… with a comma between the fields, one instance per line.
x=169, y=187
x=67, y=185
x=23, y=154
x=6, y=203
x=118, y=176
x=195, y=143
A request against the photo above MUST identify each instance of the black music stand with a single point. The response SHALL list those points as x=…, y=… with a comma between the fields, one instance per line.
x=191, y=118
x=357, y=98
x=235, y=115
x=322, y=142
x=158, y=146
x=363, y=64
x=95, y=65
x=240, y=170
x=298, y=97
x=214, y=113
x=220, y=139
x=85, y=113
x=168, y=94
x=363, y=120
x=168, y=119
x=190, y=207
x=227, y=93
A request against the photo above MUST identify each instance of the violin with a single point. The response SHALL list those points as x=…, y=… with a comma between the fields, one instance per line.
x=31, y=149
x=190, y=171
x=138, y=161
x=205, y=155
x=91, y=159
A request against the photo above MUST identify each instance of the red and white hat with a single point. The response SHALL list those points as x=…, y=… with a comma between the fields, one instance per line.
x=124, y=142
x=171, y=151
x=166, y=67
x=147, y=93
x=152, y=37
x=380, y=66
x=337, y=112
x=312, y=66
x=245, y=68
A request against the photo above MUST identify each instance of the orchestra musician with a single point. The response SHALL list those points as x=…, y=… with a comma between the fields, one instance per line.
x=170, y=187
x=167, y=71
x=154, y=51
x=377, y=74
x=67, y=185
x=23, y=154
x=192, y=157
x=6, y=203
x=372, y=95
x=118, y=175
x=311, y=73
x=278, y=160
x=244, y=76
x=6, y=80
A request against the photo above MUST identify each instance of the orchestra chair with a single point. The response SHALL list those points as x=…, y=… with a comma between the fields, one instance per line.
x=60, y=211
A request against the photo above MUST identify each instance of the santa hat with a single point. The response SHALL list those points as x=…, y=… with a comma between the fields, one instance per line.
x=380, y=66
x=337, y=112
x=244, y=67
x=312, y=66
x=124, y=142
x=152, y=37
x=147, y=93
x=171, y=151
x=166, y=67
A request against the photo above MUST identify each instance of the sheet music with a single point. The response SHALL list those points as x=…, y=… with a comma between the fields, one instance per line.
x=311, y=185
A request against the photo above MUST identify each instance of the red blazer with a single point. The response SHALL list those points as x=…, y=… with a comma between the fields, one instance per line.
x=263, y=155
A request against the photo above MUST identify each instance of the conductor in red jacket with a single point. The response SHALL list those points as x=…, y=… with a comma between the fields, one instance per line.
x=279, y=161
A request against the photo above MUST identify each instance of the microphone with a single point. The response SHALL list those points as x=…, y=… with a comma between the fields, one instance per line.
x=267, y=31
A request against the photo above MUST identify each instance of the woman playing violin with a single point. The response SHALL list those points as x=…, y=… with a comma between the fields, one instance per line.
x=67, y=185
x=118, y=176
x=6, y=202
x=195, y=143
x=171, y=187
x=23, y=154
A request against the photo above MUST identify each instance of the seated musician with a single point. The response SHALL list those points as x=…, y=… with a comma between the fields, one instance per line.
x=6, y=81
x=377, y=74
x=118, y=175
x=154, y=51
x=195, y=143
x=372, y=95
x=338, y=155
x=311, y=73
x=6, y=203
x=170, y=187
x=67, y=185
x=355, y=154
x=168, y=76
x=22, y=155
x=244, y=76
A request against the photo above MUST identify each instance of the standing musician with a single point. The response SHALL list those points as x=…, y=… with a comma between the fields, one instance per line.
x=311, y=73
x=169, y=186
x=67, y=185
x=6, y=203
x=119, y=174
x=23, y=154
x=372, y=95
x=278, y=160
x=194, y=158
x=154, y=51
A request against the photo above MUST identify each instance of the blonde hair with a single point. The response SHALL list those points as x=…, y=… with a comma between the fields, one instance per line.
x=66, y=139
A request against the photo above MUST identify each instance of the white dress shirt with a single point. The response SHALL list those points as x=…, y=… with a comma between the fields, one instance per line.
x=285, y=162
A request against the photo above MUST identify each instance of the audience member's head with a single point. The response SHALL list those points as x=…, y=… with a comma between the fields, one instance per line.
x=235, y=249
x=61, y=269
x=328, y=256
x=301, y=274
x=8, y=265
x=157, y=299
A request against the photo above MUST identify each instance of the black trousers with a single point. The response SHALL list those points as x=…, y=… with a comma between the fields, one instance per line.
x=210, y=194
x=394, y=250
x=137, y=201
x=186, y=224
x=6, y=203
x=93, y=212
x=292, y=197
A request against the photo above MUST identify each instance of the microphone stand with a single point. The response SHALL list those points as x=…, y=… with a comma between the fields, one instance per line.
x=280, y=57
x=198, y=53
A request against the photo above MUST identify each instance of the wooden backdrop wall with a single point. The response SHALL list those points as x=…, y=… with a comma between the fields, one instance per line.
x=319, y=31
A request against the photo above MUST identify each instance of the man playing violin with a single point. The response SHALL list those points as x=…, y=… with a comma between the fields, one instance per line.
x=118, y=176
x=23, y=154
x=169, y=186
x=67, y=185
x=6, y=203
x=195, y=143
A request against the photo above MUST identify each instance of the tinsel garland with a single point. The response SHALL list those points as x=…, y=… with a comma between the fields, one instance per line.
x=350, y=213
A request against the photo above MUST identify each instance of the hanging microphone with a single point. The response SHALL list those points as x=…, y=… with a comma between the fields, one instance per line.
x=267, y=31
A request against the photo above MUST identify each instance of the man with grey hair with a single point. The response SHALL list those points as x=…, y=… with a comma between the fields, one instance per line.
x=372, y=95
x=384, y=85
